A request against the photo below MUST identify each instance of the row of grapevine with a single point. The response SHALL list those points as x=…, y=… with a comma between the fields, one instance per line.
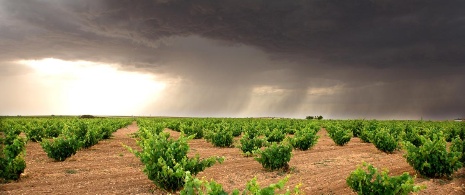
x=12, y=151
x=60, y=137
x=80, y=133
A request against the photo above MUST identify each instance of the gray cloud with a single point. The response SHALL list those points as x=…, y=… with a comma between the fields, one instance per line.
x=357, y=58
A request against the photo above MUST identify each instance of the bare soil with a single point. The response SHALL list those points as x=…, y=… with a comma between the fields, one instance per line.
x=109, y=168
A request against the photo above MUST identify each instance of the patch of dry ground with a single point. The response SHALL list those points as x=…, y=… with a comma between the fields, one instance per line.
x=108, y=168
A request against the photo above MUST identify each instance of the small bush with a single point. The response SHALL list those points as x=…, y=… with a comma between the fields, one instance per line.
x=373, y=182
x=432, y=158
x=384, y=141
x=197, y=131
x=106, y=132
x=458, y=145
x=221, y=138
x=366, y=136
x=236, y=131
x=455, y=130
x=61, y=148
x=304, y=139
x=412, y=135
x=368, y=130
x=174, y=125
x=195, y=186
x=166, y=160
x=53, y=129
x=249, y=144
x=276, y=136
x=12, y=150
x=357, y=127
x=275, y=156
x=35, y=132
x=91, y=138
x=252, y=187
x=253, y=131
x=339, y=135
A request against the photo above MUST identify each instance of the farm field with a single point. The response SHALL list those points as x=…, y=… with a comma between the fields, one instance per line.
x=109, y=168
x=236, y=97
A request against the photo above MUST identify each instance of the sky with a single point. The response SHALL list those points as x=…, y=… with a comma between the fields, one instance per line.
x=372, y=59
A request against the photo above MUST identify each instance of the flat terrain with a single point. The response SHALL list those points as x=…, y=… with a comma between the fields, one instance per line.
x=108, y=168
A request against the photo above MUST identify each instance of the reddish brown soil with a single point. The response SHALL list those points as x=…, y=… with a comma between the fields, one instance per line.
x=108, y=168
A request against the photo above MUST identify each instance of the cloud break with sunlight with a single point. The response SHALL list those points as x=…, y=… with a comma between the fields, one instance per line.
x=83, y=87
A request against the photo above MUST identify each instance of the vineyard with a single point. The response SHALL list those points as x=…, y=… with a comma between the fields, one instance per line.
x=230, y=156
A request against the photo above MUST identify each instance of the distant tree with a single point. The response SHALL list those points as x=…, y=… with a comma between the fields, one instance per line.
x=87, y=116
x=309, y=117
x=320, y=117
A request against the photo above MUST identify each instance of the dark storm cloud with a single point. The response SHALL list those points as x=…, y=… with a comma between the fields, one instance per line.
x=390, y=57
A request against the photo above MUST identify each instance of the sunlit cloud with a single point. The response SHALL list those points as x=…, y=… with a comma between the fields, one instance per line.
x=325, y=90
x=267, y=90
x=95, y=88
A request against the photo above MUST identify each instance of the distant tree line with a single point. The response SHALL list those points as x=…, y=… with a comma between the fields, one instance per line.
x=314, y=117
x=87, y=116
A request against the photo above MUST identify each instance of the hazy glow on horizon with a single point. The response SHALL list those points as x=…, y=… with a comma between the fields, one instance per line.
x=94, y=88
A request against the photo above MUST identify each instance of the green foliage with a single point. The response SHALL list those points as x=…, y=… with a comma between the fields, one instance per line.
x=432, y=158
x=455, y=130
x=236, y=130
x=220, y=138
x=252, y=187
x=276, y=136
x=249, y=143
x=357, y=127
x=35, y=133
x=197, y=131
x=174, y=125
x=87, y=132
x=339, y=135
x=166, y=160
x=92, y=137
x=106, y=131
x=366, y=136
x=374, y=182
x=385, y=141
x=275, y=156
x=253, y=132
x=458, y=145
x=62, y=147
x=368, y=130
x=304, y=139
x=67, y=131
x=412, y=135
x=195, y=186
x=12, y=150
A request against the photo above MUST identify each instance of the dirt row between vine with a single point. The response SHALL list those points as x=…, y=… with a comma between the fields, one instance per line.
x=109, y=168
